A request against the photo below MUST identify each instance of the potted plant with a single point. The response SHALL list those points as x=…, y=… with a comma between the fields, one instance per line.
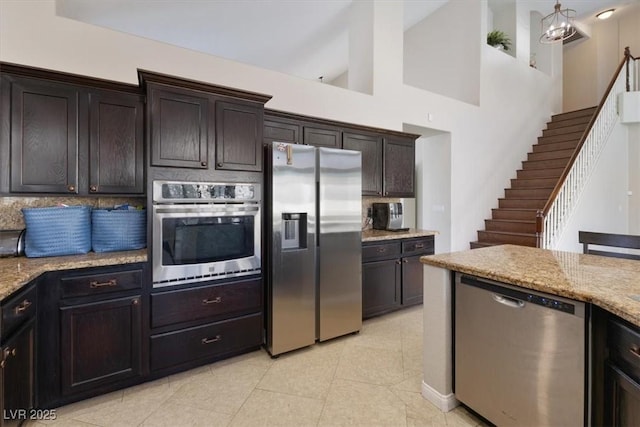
x=498, y=39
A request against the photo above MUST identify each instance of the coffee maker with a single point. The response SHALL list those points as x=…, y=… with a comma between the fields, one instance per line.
x=387, y=216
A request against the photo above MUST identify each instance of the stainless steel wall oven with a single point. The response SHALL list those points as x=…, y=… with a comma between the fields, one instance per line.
x=205, y=231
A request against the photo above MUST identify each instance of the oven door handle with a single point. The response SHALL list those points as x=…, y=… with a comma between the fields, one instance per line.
x=205, y=209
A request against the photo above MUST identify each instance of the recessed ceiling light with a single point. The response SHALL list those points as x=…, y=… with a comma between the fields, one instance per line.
x=605, y=14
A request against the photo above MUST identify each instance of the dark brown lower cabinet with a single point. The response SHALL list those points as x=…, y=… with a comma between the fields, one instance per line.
x=621, y=374
x=412, y=280
x=194, y=325
x=100, y=343
x=380, y=287
x=392, y=274
x=623, y=398
x=213, y=340
x=17, y=376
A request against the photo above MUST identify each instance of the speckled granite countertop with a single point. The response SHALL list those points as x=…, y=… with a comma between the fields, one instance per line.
x=374, y=235
x=611, y=283
x=17, y=272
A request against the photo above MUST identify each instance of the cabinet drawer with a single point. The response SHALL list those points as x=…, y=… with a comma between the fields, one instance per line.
x=380, y=251
x=227, y=299
x=98, y=284
x=624, y=348
x=418, y=246
x=18, y=310
x=207, y=341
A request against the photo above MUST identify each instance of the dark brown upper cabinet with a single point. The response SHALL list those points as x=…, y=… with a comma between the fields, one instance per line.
x=179, y=123
x=70, y=134
x=199, y=125
x=371, y=148
x=44, y=136
x=388, y=157
x=281, y=132
x=116, y=143
x=239, y=136
x=322, y=137
x=399, y=167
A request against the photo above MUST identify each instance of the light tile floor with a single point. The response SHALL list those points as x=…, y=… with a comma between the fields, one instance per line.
x=369, y=379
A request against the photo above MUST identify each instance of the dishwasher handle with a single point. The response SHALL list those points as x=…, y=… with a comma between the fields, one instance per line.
x=509, y=302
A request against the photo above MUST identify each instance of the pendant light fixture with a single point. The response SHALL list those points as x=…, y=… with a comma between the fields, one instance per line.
x=558, y=26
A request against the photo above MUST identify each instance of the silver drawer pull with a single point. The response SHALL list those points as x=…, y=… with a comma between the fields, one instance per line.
x=419, y=245
x=94, y=284
x=216, y=300
x=635, y=351
x=23, y=306
x=211, y=340
x=382, y=249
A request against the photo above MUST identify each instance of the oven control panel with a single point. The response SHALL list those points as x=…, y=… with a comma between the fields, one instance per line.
x=205, y=192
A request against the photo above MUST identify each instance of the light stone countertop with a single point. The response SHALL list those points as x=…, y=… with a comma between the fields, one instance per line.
x=375, y=235
x=18, y=271
x=610, y=283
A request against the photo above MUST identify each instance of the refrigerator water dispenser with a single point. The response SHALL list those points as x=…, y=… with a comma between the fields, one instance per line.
x=294, y=231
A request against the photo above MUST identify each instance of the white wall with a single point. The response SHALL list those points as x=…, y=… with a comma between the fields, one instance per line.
x=434, y=206
x=441, y=53
x=503, y=18
x=603, y=205
x=589, y=65
x=488, y=140
x=634, y=178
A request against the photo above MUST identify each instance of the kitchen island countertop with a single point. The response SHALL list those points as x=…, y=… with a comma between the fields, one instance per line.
x=610, y=283
x=18, y=271
x=372, y=235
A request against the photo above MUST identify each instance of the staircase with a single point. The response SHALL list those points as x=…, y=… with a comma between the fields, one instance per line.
x=514, y=221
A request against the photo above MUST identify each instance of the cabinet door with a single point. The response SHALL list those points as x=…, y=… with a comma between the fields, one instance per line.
x=100, y=343
x=239, y=136
x=17, y=374
x=116, y=163
x=399, y=168
x=411, y=280
x=322, y=137
x=622, y=407
x=371, y=149
x=44, y=136
x=281, y=132
x=179, y=128
x=380, y=287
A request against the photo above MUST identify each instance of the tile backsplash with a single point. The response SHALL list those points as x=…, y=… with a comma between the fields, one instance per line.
x=11, y=216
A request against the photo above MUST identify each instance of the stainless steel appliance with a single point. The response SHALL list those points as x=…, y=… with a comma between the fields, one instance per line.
x=313, y=220
x=205, y=231
x=387, y=216
x=519, y=354
x=11, y=243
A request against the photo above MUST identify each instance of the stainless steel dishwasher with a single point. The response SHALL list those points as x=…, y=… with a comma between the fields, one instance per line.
x=519, y=355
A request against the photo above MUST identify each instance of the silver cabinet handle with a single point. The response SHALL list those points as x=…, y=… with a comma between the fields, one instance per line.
x=216, y=300
x=635, y=351
x=509, y=302
x=22, y=307
x=211, y=340
x=109, y=283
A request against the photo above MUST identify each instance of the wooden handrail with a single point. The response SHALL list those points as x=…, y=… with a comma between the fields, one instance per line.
x=628, y=58
x=541, y=214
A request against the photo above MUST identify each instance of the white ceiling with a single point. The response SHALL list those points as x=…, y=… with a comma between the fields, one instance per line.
x=305, y=38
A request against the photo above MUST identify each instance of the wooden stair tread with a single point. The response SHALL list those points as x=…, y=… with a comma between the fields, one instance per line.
x=510, y=233
x=522, y=221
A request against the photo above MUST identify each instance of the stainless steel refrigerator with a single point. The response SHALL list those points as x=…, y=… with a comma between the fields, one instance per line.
x=314, y=246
